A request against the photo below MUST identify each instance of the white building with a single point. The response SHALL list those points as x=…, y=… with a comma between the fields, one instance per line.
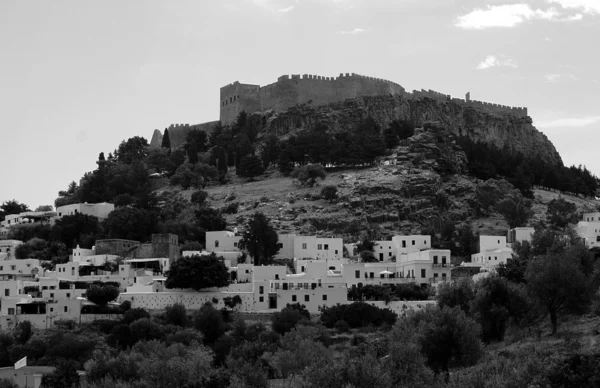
x=384, y=250
x=493, y=250
x=312, y=247
x=429, y=266
x=591, y=217
x=286, y=246
x=8, y=247
x=98, y=210
x=222, y=241
x=520, y=235
x=409, y=244
x=26, y=218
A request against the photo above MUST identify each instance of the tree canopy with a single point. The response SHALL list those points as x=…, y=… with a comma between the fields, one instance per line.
x=260, y=239
x=198, y=272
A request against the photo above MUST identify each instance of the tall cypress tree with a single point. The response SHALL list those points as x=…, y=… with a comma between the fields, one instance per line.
x=166, y=141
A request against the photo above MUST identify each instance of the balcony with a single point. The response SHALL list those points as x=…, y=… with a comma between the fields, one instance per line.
x=380, y=280
x=439, y=280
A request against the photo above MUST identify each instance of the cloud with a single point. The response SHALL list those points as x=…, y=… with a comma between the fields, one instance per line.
x=494, y=61
x=588, y=6
x=511, y=15
x=353, y=31
x=551, y=78
x=576, y=122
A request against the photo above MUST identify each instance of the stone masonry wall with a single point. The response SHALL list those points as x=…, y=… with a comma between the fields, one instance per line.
x=289, y=91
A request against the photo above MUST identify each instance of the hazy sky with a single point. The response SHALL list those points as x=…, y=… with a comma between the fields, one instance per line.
x=77, y=77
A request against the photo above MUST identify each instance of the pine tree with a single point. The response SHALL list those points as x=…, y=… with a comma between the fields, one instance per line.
x=222, y=160
x=166, y=141
x=250, y=166
x=192, y=153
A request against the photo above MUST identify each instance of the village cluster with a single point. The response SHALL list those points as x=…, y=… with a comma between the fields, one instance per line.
x=324, y=270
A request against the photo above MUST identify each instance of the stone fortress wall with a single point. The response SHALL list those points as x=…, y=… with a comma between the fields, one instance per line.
x=289, y=91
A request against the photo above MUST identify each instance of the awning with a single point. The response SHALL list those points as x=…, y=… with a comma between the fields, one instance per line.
x=386, y=272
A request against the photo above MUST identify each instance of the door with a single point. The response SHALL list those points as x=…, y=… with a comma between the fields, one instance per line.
x=273, y=301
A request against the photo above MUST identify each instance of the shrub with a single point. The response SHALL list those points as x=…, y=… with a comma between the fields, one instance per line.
x=134, y=314
x=357, y=314
x=309, y=174
x=285, y=320
x=329, y=192
x=145, y=330
x=230, y=208
x=101, y=295
x=342, y=326
x=199, y=197
x=176, y=315
x=209, y=321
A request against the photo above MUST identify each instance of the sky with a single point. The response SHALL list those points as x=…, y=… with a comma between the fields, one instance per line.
x=77, y=77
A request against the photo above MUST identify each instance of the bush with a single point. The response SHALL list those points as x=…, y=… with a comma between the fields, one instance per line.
x=342, y=326
x=101, y=295
x=230, y=208
x=209, y=321
x=199, y=197
x=134, y=314
x=285, y=320
x=357, y=314
x=176, y=315
x=309, y=174
x=329, y=192
x=145, y=330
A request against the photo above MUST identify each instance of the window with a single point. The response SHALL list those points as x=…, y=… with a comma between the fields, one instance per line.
x=443, y=259
x=326, y=247
x=235, y=244
x=261, y=290
x=68, y=295
x=6, y=292
x=11, y=311
x=413, y=242
x=293, y=298
x=247, y=271
x=336, y=251
x=390, y=254
x=51, y=309
x=261, y=299
x=303, y=245
x=306, y=298
x=423, y=273
x=403, y=244
x=319, y=247
x=13, y=267
x=216, y=243
x=495, y=257
x=276, y=276
x=52, y=295
x=66, y=309
x=324, y=297
x=435, y=275
x=357, y=274
x=280, y=245
x=435, y=259
x=444, y=276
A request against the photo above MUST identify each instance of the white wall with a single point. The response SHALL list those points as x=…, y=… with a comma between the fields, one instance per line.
x=591, y=217
x=409, y=244
x=491, y=242
x=312, y=247
x=286, y=246
x=384, y=250
x=222, y=241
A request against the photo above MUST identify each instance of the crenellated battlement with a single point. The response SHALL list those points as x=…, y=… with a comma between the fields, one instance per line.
x=293, y=89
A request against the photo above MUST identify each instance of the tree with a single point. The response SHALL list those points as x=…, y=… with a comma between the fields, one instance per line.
x=64, y=376
x=8, y=383
x=44, y=208
x=130, y=223
x=309, y=174
x=209, y=321
x=210, y=219
x=285, y=320
x=221, y=160
x=72, y=229
x=102, y=294
x=176, y=315
x=516, y=210
x=199, y=197
x=166, y=141
x=134, y=149
x=198, y=272
x=260, y=239
x=458, y=293
x=560, y=213
x=557, y=283
x=12, y=207
x=250, y=167
x=447, y=337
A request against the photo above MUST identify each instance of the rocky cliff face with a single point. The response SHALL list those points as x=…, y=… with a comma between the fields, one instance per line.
x=500, y=129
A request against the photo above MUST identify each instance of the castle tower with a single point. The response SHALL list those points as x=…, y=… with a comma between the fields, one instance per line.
x=237, y=97
x=165, y=245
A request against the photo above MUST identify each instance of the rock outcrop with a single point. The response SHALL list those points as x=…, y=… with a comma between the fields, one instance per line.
x=480, y=124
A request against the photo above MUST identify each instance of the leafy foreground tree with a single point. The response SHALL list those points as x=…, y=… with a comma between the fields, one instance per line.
x=260, y=239
x=560, y=213
x=198, y=272
x=64, y=376
x=557, y=282
x=102, y=294
x=209, y=321
x=458, y=293
x=250, y=166
x=448, y=338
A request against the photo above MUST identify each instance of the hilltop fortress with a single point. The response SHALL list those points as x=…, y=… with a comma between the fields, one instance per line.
x=317, y=90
